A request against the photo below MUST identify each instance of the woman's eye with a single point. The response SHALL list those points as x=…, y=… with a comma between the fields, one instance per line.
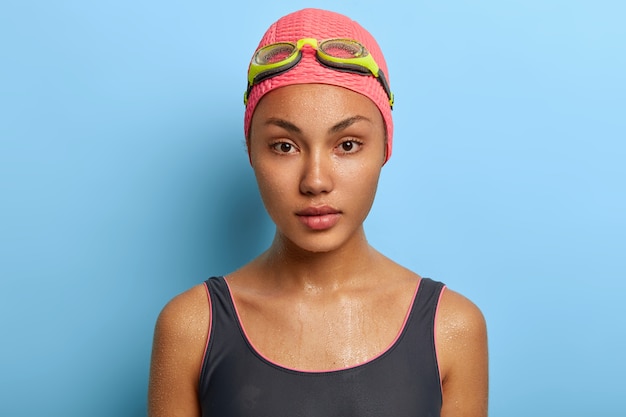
x=283, y=147
x=349, y=146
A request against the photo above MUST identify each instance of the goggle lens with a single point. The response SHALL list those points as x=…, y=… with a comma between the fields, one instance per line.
x=343, y=48
x=273, y=54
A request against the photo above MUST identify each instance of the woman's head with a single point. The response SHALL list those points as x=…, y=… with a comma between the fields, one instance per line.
x=314, y=26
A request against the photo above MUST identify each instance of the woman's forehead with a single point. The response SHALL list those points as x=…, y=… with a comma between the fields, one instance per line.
x=324, y=101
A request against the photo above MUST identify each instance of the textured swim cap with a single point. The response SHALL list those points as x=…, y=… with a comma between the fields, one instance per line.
x=321, y=25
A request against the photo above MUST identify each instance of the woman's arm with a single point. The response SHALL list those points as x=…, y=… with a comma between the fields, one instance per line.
x=177, y=352
x=462, y=352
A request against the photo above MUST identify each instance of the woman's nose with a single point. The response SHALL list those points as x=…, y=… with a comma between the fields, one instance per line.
x=316, y=177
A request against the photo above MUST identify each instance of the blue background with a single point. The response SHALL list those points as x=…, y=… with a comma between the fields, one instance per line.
x=124, y=181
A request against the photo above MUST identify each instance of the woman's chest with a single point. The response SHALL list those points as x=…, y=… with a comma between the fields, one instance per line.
x=322, y=334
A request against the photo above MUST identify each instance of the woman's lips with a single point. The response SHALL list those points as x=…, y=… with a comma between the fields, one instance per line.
x=319, y=218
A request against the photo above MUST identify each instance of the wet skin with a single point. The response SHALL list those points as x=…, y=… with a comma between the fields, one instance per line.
x=320, y=297
x=317, y=152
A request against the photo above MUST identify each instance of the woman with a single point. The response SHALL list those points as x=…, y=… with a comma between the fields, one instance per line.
x=321, y=324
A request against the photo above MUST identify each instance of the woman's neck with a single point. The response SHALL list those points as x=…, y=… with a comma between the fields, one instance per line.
x=290, y=265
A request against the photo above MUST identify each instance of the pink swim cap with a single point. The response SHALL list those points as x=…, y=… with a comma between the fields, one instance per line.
x=321, y=25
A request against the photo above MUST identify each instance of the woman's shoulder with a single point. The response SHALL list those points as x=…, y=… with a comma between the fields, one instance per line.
x=186, y=312
x=179, y=341
x=457, y=313
x=183, y=323
x=461, y=343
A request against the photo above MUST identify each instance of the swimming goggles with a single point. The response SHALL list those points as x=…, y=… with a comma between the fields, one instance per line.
x=339, y=54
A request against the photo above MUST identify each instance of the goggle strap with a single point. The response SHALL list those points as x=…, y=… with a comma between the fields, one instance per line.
x=383, y=81
x=357, y=69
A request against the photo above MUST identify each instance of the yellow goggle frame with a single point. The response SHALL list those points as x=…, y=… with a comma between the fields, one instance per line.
x=277, y=58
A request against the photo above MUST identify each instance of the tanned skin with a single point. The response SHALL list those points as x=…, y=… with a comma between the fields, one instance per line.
x=310, y=146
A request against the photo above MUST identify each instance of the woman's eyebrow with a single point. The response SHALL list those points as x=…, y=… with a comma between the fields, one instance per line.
x=284, y=124
x=344, y=124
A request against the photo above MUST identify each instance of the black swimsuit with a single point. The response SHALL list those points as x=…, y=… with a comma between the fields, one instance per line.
x=236, y=381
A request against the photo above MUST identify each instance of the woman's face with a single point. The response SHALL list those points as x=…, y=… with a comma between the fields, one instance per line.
x=317, y=151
